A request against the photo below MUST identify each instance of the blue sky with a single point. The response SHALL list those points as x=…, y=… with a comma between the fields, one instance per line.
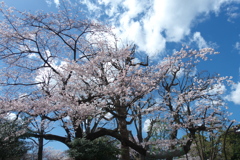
x=159, y=27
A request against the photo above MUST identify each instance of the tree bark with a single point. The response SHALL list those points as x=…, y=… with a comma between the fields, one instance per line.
x=63, y=140
x=40, y=143
x=173, y=136
x=40, y=148
x=125, y=155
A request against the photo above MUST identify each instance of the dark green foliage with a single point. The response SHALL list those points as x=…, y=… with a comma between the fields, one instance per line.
x=13, y=149
x=99, y=149
x=232, y=145
x=224, y=144
x=12, y=145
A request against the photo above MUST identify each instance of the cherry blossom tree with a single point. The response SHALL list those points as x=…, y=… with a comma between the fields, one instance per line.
x=35, y=52
x=59, y=66
x=75, y=71
x=48, y=153
x=192, y=101
x=188, y=101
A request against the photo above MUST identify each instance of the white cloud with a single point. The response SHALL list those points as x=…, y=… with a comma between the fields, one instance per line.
x=232, y=13
x=217, y=89
x=67, y=118
x=91, y=6
x=146, y=125
x=152, y=23
x=108, y=115
x=113, y=10
x=235, y=94
x=11, y=116
x=237, y=46
x=57, y=3
x=199, y=40
x=49, y=2
x=183, y=72
x=158, y=126
x=47, y=76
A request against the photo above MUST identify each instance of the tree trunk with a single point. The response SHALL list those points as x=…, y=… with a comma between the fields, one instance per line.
x=40, y=148
x=40, y=143
x=124, y=133
x=173, y=136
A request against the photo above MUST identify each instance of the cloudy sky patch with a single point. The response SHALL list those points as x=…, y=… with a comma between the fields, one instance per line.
x=235, y=94
x=152, y=23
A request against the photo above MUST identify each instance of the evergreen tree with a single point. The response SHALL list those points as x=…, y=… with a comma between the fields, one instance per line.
x=12, y=144
x=99, y=149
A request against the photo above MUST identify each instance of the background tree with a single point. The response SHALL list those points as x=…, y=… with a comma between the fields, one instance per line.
x=101, y=149
x=39, y=127
x=13, y=145
x=192, y=99
x=188, y=101
x=49, y=153
x=230, y=143
x=207, y=145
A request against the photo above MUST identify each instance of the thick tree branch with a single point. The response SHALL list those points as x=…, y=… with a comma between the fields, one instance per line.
x=161, y=155
x=114, y=133
x=64, y=140
x=172, y=153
